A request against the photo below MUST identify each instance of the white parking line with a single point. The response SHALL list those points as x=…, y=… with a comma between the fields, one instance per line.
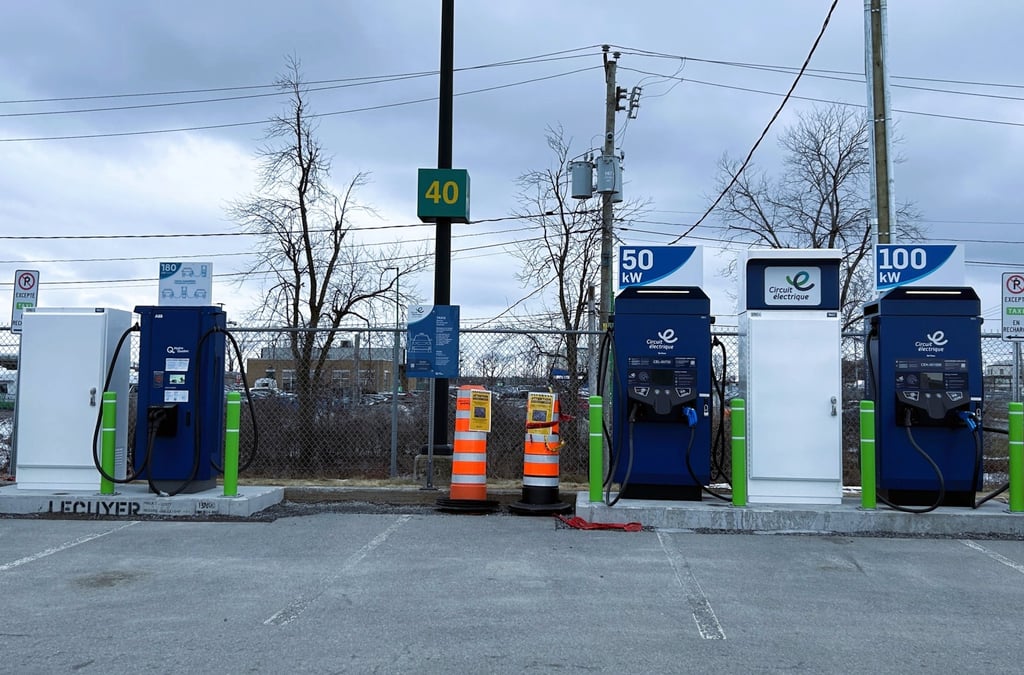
x=62, y=547
x=295, y=608
x=992, y=554
x=703, y=614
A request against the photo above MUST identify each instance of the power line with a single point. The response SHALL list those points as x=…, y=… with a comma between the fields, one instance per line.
x=170, y=104
x=265, y=272
x=187, y=235
x=813, y=72
x=764, y=133
x=345, y=83
x=228, y=125
x=371, y=79
x=847, y=104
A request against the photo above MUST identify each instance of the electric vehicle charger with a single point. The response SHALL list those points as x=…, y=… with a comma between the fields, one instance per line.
x=969, y=419
x=157, y=416
x=662, y=365
x=720, y=447
x=197, y=427
x=873, y=376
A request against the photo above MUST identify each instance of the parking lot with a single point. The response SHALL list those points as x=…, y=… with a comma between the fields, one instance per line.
x=350, y=588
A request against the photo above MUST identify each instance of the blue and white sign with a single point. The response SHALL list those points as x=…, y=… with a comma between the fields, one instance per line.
x=660, y=266
x=186, y=284
x=432, y=349
x=918, y=265
x=792, y=286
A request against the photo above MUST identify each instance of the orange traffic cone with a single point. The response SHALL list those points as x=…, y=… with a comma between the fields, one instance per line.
x=468, y=492
x=540, y=463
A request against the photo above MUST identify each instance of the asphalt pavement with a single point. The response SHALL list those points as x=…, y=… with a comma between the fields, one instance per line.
x=350, y=588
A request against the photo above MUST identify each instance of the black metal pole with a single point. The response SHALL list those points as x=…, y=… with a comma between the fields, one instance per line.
x=443, y=236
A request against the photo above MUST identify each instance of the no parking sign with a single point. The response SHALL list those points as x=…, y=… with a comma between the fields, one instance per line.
x=1013, y=306
x=26, y=295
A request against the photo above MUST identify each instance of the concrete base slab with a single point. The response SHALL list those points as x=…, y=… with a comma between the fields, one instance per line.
x=993, y=519
x=135, y=500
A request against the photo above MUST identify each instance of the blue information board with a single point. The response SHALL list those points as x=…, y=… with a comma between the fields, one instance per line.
x=433, y=341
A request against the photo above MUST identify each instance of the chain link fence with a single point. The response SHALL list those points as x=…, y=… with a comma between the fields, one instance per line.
x=361, y=417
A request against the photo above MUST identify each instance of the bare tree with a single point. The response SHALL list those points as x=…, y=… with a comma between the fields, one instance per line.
x=318, y=275
x=820, y=199
x=561, y=257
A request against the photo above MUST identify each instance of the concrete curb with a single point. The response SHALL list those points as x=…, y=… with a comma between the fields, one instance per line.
x=136, y=500
x=991, y=520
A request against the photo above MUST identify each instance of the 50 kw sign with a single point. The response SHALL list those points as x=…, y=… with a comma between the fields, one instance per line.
x=660, y=266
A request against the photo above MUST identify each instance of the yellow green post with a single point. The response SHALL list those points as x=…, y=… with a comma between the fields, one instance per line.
x=739, y=451
x=868, y=491
x=596, y=448
x=108, y=429
x=234, y=415
x=1016, y=431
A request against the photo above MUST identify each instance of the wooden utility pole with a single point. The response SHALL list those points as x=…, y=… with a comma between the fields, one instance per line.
x=882, y=207
x=608, y=151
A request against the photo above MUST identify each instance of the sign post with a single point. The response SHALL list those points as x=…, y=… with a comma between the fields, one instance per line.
x=26, y=295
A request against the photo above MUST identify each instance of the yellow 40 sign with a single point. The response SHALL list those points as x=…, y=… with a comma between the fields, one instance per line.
x=443, y=193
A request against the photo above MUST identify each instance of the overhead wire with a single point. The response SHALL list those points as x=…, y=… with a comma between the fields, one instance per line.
x=816, y=72
x=363, y=79
x=455, y=253
x=349, y=111
x=764, y=133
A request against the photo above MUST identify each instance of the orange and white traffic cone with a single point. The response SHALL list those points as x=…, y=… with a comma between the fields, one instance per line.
x=540, y=462
x=468, y=492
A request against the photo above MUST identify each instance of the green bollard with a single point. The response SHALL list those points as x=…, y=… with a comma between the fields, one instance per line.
x=234, y=414
x=596, y=448
x=1016, y=430
x=108, y=429
x=868, y=489
x=739, y=452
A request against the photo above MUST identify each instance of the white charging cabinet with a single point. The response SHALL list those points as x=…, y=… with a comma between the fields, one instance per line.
x=791, y=376
x=65, y=356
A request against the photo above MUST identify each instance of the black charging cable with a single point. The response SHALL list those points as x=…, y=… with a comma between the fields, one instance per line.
x=130, y=473
x=931, y=462
x=629, y=465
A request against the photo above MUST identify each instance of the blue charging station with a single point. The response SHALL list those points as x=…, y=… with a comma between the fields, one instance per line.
x=924, y=374
x=662, y=399
x=179, y=426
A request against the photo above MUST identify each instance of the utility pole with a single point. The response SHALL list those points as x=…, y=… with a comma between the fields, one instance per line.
x=608, y=154
x=882, y=199
x=443, y=236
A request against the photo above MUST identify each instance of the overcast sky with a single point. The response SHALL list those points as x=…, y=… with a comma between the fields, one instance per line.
x=962, y=129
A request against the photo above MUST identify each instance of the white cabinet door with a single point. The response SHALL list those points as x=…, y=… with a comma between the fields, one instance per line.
x=794, y=375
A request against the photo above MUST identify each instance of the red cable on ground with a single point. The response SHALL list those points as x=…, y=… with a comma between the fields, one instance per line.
x=580, y=524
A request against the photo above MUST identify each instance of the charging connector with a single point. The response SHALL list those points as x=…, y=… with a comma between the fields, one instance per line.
x=163, y=420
